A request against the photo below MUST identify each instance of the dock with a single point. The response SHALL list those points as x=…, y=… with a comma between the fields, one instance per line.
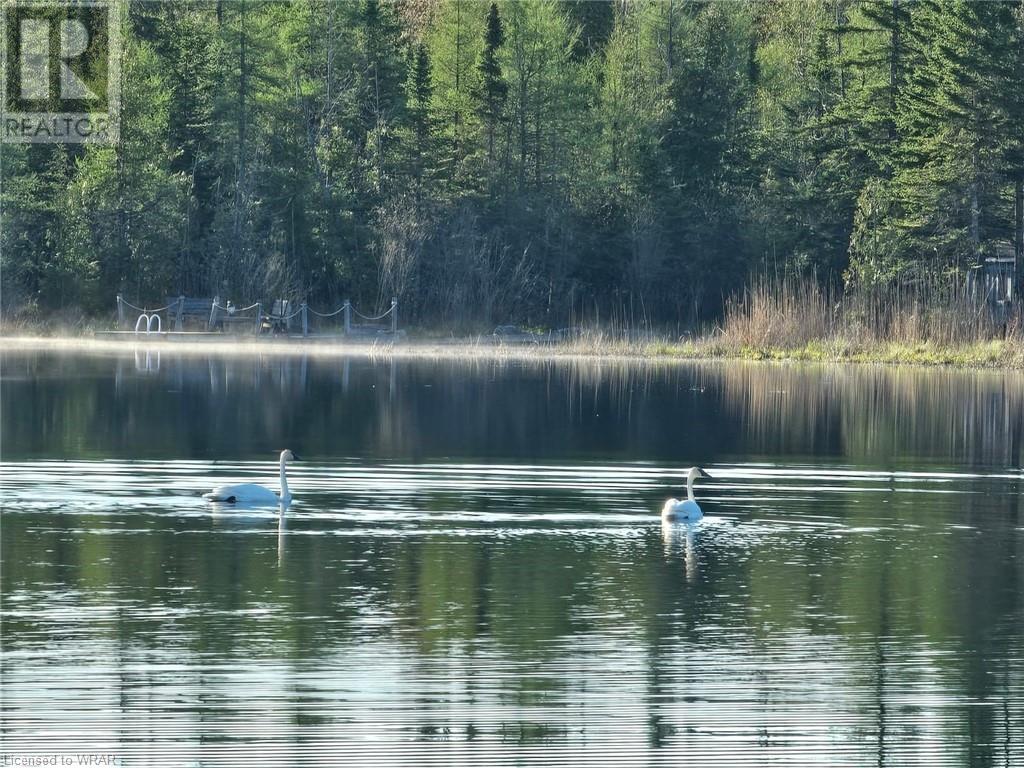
x=211, y=321
x=214, y=337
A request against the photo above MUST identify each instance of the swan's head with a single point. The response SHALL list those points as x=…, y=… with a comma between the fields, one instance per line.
x=696, y=472
x=287, y=455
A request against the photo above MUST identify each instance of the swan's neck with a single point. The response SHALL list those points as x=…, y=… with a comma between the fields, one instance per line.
x=689, y=485
x=285, y=493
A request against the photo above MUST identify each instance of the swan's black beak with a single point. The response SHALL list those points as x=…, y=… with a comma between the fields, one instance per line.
x=296, y=457
x=704, y=474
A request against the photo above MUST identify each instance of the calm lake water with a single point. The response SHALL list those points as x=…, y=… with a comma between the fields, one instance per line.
x=474, y=567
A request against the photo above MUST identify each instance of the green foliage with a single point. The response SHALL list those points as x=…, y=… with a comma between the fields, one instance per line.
x=420, y=89
x=126, y=202
x=535, y=161
x=454, y=42
x=493, y=90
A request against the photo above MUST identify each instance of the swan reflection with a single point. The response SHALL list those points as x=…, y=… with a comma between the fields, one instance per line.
x=282, y=527
x=681, y=540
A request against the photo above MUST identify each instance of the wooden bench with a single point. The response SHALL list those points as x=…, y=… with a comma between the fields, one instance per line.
x=193, y=312
x=278, y=320
x=247, y=319
x=236, y=324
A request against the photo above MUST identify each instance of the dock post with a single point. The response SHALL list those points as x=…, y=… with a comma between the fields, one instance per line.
x=305, y=319
x=181, y=309
x=348, y=317
x=213, y=313
x=120, y=312
x=259, y=319
x=394, y=315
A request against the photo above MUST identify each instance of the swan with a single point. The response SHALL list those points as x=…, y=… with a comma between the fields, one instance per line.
x=250, y=493
x=689, y=509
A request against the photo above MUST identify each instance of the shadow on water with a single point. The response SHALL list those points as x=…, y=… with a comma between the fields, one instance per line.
x=241, y=407
x=475, y=563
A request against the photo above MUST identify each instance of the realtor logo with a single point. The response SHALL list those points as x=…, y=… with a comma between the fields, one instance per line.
x=61, y=71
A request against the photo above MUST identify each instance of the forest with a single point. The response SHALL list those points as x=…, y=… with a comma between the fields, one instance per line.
x=529, y=161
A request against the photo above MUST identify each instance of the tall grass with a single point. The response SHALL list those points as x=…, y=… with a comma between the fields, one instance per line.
x=792, y=313
x=776, y=319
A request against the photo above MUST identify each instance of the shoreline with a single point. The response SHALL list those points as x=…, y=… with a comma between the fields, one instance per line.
x=989, y=355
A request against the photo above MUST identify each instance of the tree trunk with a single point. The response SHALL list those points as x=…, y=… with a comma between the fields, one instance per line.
x=457, y=118
x=240, y=170
x=975, y=224
x=1018, y=232
x=670, y=62
x=839, y=49
x=975, y=211
x=536, y=149
x=894, y=63
x=522, y=131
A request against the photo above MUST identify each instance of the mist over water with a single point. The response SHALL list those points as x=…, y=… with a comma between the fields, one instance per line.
x=474, y=566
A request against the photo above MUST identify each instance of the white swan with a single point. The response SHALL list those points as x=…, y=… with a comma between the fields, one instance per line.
x=689, y=509
x=250, y=493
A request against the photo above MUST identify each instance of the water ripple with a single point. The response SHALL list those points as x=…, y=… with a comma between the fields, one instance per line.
x=507, y=614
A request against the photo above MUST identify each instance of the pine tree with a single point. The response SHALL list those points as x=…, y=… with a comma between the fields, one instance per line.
x=707, y=148
x=809, y=188
x=493, y=88
x=382, y=90
x=650, y=152
x=186, y=39
x=955, y=129
x=40, y=271
x=125, y=201
x=420, y=91
x=884, y=48
x=454, y=41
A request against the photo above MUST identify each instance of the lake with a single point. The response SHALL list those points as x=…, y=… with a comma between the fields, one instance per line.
x=474, y=567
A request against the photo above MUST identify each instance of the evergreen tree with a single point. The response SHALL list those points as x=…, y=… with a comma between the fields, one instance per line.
x=708, y=165
x=381, y=91
x=453, y=45
x=420, y=91
x=885, y=48
x=513, y=159
x=185, y=37
x=954, y=129
x=493, y=90
x=125, y=201
x=806, y=211
x=41, y=268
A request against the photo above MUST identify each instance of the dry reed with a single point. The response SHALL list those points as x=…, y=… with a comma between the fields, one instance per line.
x=791, y=313
x=786, y=319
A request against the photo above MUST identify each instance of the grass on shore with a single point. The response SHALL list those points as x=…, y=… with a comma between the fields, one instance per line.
x=1007, y=354
x=983, y=354
x=794, y=320
x=801, y=320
